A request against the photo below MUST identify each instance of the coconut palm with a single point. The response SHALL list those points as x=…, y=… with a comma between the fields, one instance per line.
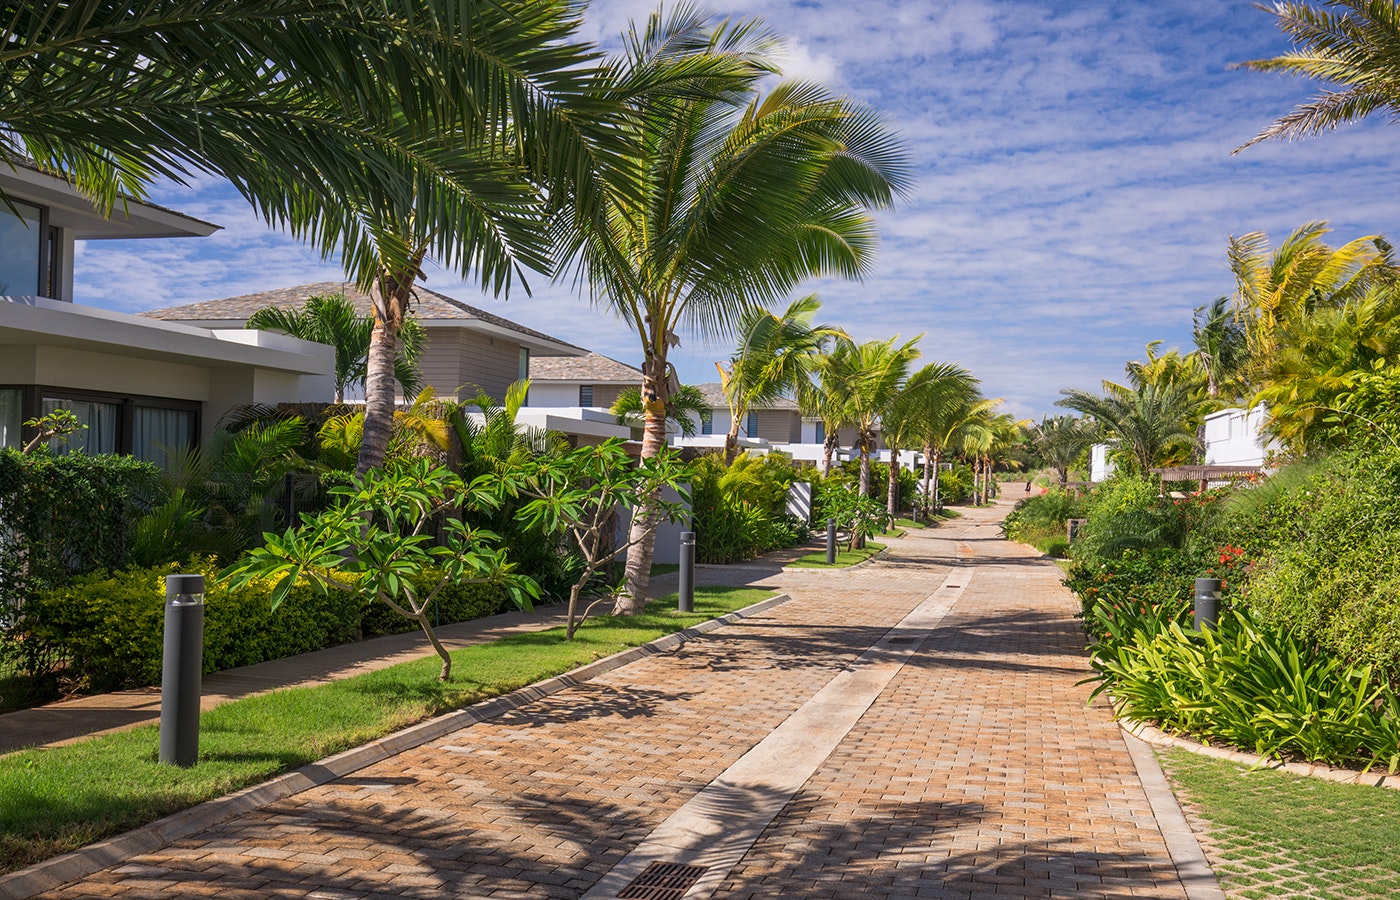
x=388, y=133
x=1060, y=440
x=825, y=399
x=1220, y=346
x=685, y=407
x=918, y=417
x=776, y=357
x=872, y=374
x=331, y=319
x=1144, y=422
x=1354, y=44
x=726, y=200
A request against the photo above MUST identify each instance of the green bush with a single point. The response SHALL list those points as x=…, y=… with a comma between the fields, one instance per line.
x=105, y=631
x=1318, y=546
x=1040, y=520
x=740, y=511
x=67, y=515
x=1253, y=686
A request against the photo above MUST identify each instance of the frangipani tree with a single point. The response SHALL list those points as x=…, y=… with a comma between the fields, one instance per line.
x=727, y=199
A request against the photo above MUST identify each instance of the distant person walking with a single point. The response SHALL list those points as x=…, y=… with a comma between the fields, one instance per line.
x=1028, y=487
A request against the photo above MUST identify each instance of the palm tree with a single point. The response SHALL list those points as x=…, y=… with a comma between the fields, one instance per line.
x=873, y=374
x=1351, y=43
x=726, y=200
x=825, y=399
x=1145, y=422
x=1302, y=273
x=1060, y=440
x=776, y=356
x=685, y=407
x=1220, y=345
x=331, y=319
x=919, y=416
x=388, y=132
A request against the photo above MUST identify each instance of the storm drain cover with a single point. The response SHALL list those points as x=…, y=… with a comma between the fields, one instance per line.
x=903, y=640
x=662, y=881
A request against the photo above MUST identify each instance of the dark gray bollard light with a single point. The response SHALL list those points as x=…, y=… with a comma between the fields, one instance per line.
x=685, y=599
x=1207, y=603
x=182, y=669
x=831, y=542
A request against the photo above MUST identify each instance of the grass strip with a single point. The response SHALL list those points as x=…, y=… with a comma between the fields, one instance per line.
x=844, y=558
x=56, y=800
x=1274, y=834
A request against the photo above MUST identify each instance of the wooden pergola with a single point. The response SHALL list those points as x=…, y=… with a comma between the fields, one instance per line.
x=1206, y=474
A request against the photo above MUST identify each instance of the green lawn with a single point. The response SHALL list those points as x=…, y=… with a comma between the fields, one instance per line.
x=53, y=801
x=908, y=523
x=1271, y=834
x=844, y=558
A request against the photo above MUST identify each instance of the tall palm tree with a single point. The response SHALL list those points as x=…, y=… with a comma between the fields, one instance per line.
x=331, y=319
x=776, y=356
x=1145, y=422
x=825, y=399
x=388, y=132
x=1060, y=440
x=685, y=407
x=726, y=200
x=1220, y=345
x=919, y=416
x=1354, y=44
x=951, y=406
x=873, y=373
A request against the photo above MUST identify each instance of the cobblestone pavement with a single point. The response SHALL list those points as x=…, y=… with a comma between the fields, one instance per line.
x=908, y=728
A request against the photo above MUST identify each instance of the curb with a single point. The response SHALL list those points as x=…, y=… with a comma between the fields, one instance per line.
x=61, y=870
x=1159, y=738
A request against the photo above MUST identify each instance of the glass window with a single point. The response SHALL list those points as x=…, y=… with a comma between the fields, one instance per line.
x=707, y=422
x=585, y=395
x=751, y=426
x=523, y=365
x=102, y=421
x=20, y=240
x=156, y=432
x=821, y=432
x=10, y=417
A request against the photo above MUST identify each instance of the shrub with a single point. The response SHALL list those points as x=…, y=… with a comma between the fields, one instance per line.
x=1040, y=520
x=106, y=631
x=739, y=511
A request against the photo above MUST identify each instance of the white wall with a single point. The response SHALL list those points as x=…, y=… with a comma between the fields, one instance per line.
x=1100, y=467
x=553, y=395
x=1233, y=437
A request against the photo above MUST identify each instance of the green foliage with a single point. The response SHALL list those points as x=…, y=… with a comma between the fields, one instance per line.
x=860, y=517
x=67, y=515
x=1324, y=539
x=955, y=484
x=1041, y=519
x=1252, y=686
x=739, y=511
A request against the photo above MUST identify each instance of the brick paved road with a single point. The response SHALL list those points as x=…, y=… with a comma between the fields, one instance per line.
x=975, y=769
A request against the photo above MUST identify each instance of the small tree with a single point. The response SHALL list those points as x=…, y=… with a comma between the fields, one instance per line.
x=376, y=543
x=579, y=492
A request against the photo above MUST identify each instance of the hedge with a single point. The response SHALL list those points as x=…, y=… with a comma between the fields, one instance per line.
x=105, y=632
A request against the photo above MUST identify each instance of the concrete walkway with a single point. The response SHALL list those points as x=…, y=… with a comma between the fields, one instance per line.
x=908, y=728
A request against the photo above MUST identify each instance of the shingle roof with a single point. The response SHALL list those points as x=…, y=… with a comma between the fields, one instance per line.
x=429, y=306
x=593, y=368
x=715, y=399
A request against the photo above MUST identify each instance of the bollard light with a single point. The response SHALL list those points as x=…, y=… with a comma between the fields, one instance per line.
x=182, y=669
x=685, y=598
x=831, y=542
x=1207, y=603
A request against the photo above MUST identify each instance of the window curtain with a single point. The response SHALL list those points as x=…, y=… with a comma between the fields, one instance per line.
x=158, y=431
x=10, y=417
x=102, y=420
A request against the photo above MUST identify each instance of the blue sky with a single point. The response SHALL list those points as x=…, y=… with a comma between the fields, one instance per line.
x=1073, y=198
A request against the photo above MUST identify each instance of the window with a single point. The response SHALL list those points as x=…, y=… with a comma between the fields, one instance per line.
x=157, y=432
x=751, y=426
x=101, y=421
x=585, y=395
x=11, y=404
x=707, y=422
x=21, y=249
x=821, y=432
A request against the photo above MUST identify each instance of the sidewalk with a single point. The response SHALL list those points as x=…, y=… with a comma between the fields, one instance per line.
x=910, y=728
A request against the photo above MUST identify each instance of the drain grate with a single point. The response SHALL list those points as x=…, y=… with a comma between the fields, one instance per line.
x=662, y=881
x=903, y=640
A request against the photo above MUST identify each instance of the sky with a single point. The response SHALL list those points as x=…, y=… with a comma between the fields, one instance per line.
x=1074, y=190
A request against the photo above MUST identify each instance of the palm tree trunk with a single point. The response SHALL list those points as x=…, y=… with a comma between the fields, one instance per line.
x=927, y=499
x=864, y=465
x=395, y=290
x=937, y=494
x=892, y=498
x=731, y=442
x=828, y=450
x=641, y=535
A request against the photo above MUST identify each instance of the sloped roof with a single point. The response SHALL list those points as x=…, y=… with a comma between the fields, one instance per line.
x=714, y=399
x=591, y=368
x=429, y=306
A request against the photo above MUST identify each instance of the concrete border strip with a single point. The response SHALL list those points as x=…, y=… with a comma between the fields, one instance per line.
x=1192, y=867
x=718, y=826
x=62, y=870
